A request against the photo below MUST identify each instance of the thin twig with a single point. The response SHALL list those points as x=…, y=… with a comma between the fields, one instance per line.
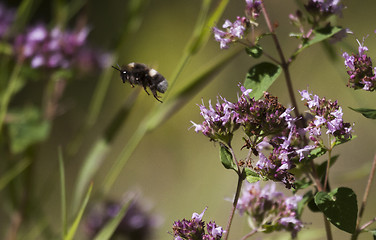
x=254, y=231
x=364, y=201
x=234, y=204
x=284, y=63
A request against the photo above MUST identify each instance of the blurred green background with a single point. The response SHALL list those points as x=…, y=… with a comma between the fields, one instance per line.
x=177, y=171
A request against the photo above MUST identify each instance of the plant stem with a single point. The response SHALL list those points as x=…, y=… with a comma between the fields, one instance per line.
x=364, y=201
x=284, y=63
x=254, y=231
x=234, y=204
x=321, y=189
x=327, y=169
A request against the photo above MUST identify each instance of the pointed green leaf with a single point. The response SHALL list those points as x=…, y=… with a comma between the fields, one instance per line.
x=226, y=158
x=366, y=112
x=72, y=230
x=110, y=227
x=319, y=35
x=63, y=195
x=252, y=176
x=315, y=153
x=260, y=77
x=340, y=207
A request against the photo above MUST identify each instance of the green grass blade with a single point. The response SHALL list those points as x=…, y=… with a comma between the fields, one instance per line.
x=109, y=229
x=87, y=171
x=62, y=194
x=12, y=173
x=72, y=230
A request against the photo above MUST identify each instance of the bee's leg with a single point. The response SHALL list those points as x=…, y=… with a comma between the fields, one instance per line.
x=156, y=96
x=146, y=90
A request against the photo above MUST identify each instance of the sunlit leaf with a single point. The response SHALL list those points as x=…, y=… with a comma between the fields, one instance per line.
x=319, y=35
x=260, y=77
x=252, y=176
x=72, y=230
x=226, y=158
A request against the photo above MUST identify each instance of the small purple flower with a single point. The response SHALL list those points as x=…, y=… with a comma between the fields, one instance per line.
x=360, y=69
x=234, y=31
x=326, y=114
x=7, y=17
x=266, y=206
x=194, y=229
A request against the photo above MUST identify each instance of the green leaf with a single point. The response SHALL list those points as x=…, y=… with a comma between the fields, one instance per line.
x=315, y=153
x=12, y=173
x=260, y=77
x=226, y=158
x=63, y=194
x=26, y=128
x=251, y=176
x=340, y=207
x=319, y=35
x=366, y=112
x=255, y=51
x=110, y=227
x=72, y=230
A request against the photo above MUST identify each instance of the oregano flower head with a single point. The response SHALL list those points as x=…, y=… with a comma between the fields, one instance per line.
x=360, y=69
x=194, y=229
x=270, y=210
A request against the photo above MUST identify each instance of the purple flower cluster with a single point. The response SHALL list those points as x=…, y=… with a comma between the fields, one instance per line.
x=7, y=17
x=362, y=74
x=327, y=115
x=136, y=224
x=269, y=209
x=56, y=48
x=322, y=9
x=194, y=229
x=234, y=31
x=256, y=117
x=237, y=30
x=267, y=125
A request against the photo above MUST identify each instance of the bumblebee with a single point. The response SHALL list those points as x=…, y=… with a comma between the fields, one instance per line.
x=141, y=74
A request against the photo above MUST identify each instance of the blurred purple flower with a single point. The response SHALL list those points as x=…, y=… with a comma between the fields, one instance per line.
x=266, y=206
x=253, y=9
x=7, y=17
x=136, y=224
x=322, y=9
x=56, y=48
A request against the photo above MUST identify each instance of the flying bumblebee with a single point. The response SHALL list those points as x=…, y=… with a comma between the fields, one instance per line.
x=140, y=74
